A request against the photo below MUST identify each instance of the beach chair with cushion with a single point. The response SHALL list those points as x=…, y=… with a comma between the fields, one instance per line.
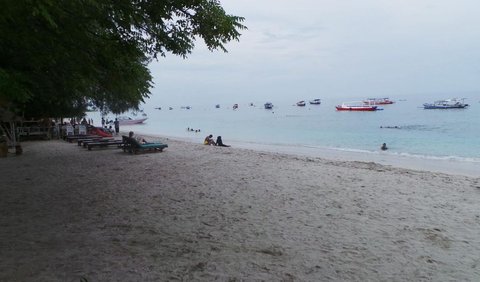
x=133, y=146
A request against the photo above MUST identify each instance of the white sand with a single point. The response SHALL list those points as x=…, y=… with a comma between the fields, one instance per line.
x=201, y=213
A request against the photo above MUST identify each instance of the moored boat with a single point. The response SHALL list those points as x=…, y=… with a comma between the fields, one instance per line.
x=378, y=101
x=315, y=102
x=235, y=106
x=453, y=103
x=301, y=103
x=356, y=106
x=268, y=105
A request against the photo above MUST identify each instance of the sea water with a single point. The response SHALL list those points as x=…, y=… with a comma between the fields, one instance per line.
x=406, y=128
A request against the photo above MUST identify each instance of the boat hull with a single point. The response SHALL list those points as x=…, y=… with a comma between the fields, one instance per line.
x=356, y=108
x=132, y=121
x=432, y=107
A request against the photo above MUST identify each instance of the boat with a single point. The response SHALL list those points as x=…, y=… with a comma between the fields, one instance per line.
x=301, y=103
x=378, y=101
x=124, y=120
x=453, y=103
x=356, y=106
x=217, y=106
x=235, y=106
x=268, y=106
x=315, y=102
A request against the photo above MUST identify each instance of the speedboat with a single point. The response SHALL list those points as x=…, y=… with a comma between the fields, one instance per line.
x=378, y=101
x=315, y=102
x=301, y=103
x=453, y=103
x=124, y=120
x=356, y=106
x=268, y=105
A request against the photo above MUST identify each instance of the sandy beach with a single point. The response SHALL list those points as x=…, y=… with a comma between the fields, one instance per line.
x=204, y=213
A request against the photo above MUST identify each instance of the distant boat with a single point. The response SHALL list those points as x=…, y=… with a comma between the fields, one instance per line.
x=268, y=105
x=453, y=103
x=315, y=102
x=378, y=101
x=356, y=106
x=301, y=103
x=217, y=106
x=158, y=108
x=235, y=106
x=170, y=108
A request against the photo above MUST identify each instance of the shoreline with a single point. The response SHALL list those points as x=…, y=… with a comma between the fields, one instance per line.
x=430, y=164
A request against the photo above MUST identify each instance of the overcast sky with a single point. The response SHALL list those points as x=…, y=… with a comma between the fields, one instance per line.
x=304, y=49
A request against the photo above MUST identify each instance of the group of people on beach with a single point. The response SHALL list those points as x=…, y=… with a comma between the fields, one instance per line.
x=209, y=141
x=116, y=124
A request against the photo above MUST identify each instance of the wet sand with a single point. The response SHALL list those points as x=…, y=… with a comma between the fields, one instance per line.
x=201, y=213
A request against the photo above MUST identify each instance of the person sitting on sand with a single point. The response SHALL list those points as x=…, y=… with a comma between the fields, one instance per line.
x=209, y=140
x=220, y=142
x=384, y=147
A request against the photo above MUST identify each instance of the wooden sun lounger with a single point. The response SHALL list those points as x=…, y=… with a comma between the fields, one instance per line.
x=104, y=144
x=71, y=138
x=84, y=142
x=80, y=141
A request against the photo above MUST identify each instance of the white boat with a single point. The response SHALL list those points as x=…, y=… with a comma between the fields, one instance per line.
x=453, y=103
x=301, y=103
x=124, y=120
x=355, y=106
x=315, y=102
x=378, y=101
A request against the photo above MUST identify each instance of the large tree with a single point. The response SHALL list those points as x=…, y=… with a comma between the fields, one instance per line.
x=58, y=56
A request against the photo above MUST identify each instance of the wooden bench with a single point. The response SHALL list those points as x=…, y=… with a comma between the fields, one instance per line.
x=117, y=143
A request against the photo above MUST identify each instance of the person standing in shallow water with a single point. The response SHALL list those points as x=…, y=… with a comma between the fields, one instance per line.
x=117, y=126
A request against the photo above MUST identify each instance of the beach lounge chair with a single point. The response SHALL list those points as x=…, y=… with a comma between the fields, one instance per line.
x=74, y=138
x=117, y=143
x=84, y=142
x=133, y=146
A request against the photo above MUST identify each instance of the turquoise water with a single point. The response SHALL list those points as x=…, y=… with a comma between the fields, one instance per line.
x=427, y=133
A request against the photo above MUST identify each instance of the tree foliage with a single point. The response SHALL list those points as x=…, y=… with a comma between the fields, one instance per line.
x=57, y=56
